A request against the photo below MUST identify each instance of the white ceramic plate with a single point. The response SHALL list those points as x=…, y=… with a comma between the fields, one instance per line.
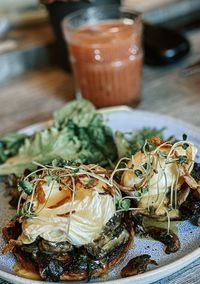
x=126, y=119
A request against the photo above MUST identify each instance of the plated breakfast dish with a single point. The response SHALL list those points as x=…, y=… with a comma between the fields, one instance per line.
x=89, y=198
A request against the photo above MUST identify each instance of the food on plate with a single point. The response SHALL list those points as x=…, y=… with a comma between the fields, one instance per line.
x=137, y=265
x=168, y=238
x=75, y=221
x=157, y=173
x=131, y=142
x=70, y=223
x=10, y=144
x=78, y=132
x=82, y=192
x=190, y=199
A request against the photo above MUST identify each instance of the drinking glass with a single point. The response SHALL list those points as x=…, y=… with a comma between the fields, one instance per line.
x=105, y=53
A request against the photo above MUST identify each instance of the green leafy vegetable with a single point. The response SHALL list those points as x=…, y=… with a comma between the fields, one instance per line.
x=79, y=112
x=10, y=144
x=79, y=135
x=129, y=143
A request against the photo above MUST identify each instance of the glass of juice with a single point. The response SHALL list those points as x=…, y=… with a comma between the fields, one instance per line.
x=105, y=52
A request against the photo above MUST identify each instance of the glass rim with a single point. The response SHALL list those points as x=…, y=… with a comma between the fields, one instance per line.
x=66, y=20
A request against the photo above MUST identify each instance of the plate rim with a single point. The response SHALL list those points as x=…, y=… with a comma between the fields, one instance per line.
x=146, y=277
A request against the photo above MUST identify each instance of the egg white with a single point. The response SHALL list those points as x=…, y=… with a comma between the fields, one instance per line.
x=91, y=211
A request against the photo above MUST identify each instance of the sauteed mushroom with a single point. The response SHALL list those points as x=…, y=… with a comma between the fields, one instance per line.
x=137, y=265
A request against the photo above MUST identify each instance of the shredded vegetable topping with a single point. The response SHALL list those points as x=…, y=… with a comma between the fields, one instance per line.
x=71, y=207
x=152, y=178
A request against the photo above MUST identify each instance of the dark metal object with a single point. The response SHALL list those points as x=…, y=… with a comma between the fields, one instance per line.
x=163, y=46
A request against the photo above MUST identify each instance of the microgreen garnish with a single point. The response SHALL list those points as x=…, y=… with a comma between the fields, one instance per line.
x=138, y=173
x=137, y=194
x=145, y=166
x=48, y=179
x=35, y=175
x=144, y=189
x=64, y=173
x=125, y=204
x=149, y=147
x=76, y=171
x=90, y=182
x=26, y=211
x=25, y=186
x=182, y=159
x=163, y=154
x=185, y=146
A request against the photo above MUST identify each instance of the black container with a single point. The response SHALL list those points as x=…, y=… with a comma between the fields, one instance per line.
x=57, y=11
x=163, y=46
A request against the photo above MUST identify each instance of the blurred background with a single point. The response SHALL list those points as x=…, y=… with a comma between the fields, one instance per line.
x=32, y=62
x=27, y=41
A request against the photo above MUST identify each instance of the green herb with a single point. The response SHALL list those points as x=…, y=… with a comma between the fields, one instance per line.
x=56, y=162
x=163, y=154
x=150, y=147
x=130, y=143
x=137, y=194
x=182, y=159
x=35, y=175
x=144, y=189
x=145, y=166
x=10, y=145
x=48, y=179
x=25, y=186
x=24, y=213
x=185, y=146
x=90, y=182
x=76, y=171
x=138, y=173
x=125, y=204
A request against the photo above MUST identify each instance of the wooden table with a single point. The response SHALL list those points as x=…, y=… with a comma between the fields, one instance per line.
x=33, y=97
